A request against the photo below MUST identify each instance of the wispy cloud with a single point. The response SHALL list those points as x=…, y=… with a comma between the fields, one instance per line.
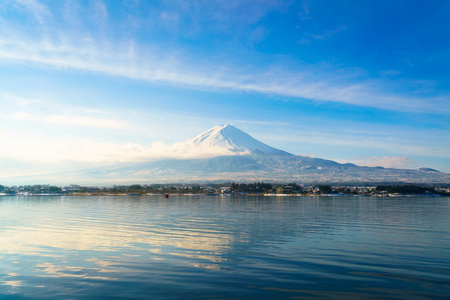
x=397, y=145
x=71, y=120
x=64, y=50
x=71, y=153
x=19, y=101
x=37, y=9
x=89, y=57
x=101, y=12
x=391, y=72
x=322, y=36
x=398, y=162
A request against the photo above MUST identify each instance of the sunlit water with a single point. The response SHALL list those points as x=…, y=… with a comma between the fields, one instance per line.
x=215, y=247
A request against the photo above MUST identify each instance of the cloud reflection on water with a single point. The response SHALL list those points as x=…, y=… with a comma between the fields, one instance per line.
x=54, y=235
x=53, y=270
x=111, y=243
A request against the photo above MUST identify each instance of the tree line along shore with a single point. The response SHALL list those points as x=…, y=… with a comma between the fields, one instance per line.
x=255, y=188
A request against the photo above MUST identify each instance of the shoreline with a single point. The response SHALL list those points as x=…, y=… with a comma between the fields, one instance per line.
x=225, y=195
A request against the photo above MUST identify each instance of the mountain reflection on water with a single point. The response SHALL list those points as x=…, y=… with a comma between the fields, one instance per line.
x=224, y=247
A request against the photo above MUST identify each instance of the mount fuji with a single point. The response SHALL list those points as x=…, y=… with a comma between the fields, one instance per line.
x=233, y=155
x=234, y=140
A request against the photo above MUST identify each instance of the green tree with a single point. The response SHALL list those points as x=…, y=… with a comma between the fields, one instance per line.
x=325, y=189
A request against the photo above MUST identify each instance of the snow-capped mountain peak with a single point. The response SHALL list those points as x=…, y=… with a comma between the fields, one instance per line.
x=235, y=140
x=221, y=154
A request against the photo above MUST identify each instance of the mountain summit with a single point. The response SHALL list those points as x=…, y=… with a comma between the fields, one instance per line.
x=235, y=140
x=233, y=155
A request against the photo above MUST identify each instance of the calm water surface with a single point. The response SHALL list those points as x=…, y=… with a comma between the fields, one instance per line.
x=224, y=247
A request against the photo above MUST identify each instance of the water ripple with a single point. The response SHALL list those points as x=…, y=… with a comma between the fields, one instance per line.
x=227, y=248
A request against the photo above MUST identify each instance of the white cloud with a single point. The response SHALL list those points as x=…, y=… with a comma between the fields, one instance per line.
x=70, y=120
x=384, y=139
x=40, y=11
x=82, y=51
x=71, y=153
x=101, y=12
x=19, y=100
x=391, y=72
x=397, y=162
x=22, y=116
x=324, y=35
x=147, y=68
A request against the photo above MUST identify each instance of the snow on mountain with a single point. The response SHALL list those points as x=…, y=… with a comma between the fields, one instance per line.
x=233, y=139
x=227, y=153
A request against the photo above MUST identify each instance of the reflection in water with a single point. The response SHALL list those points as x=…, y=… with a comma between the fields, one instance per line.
x=224, y=247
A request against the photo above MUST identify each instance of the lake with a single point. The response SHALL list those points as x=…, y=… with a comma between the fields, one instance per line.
x=218, y=247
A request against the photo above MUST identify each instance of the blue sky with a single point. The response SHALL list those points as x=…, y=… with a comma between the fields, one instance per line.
x=90, y=83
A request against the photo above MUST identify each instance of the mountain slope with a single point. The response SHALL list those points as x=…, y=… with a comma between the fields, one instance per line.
x=252, y=167
x=233, y=139
x=250, y=160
